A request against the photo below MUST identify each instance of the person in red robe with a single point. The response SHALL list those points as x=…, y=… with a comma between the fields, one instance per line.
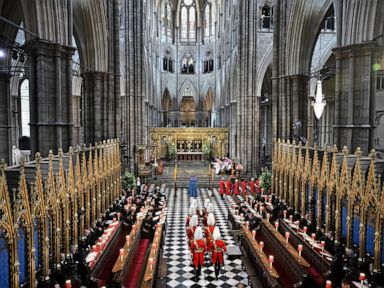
x=236, y=187
x=222, y=187
x=229, y=186
x=210, y=209
x=244, y=187
x=198, y=248
x=218, y=248
x=252, y=185
x=257, y=185
x=192, y=227
x=209, y=228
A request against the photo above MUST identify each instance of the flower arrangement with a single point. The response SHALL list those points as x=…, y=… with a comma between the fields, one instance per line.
x=171, y=151
x=206, y=149
x=265, y=181
x=128, y=181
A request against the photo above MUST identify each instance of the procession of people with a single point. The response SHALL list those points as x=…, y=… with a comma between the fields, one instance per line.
x=204, y=238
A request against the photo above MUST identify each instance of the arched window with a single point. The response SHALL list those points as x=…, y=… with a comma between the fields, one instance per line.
x=187, y=64
x=209, y=19
x=188, y=20
x=24, y=104
x=167, y=61
x=208, y=62
x=166, y=21
x=266, y=19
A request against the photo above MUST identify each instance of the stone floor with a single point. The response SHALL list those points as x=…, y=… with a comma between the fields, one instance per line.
x=180, y=270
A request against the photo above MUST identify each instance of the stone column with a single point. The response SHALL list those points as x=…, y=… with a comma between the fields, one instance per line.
x=354, y=97
x=299, y=103
x=5, y=119
x=99, y=110
x=50, y=96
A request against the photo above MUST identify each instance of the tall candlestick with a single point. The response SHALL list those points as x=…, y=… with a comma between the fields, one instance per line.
x=271, y=258
x=68, y=284
x=261, y=246
x=276, y=226
x=362, y=278
x=286, y=238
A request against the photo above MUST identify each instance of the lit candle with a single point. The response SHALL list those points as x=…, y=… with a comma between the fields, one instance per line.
x=328, y=284
x=313, y=236
x=300, y=248
x=305, y=228
x=247, y=224
x=254, y=234
x=271, y=258
x=290, y=218
x=322, y=245
x=261, y=246
x=362, y=278
x=276, y=225
x=114, y=219
x=68, y=284
x=286, y=238
x=118, y=215
x=127, y=238
x=268, y=216
x=285, y=214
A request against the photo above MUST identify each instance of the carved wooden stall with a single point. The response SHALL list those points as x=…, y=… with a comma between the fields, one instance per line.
x=50, y=202
x=339, y=192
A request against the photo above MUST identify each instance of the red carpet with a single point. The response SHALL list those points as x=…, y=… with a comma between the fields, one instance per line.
x=130, y=280
x=110, y=261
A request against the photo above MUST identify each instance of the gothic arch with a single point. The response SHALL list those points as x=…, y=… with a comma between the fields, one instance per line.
x=198, y=14
x=184, y=86
x=263, y=66
x=304, y=17
x=91, y=33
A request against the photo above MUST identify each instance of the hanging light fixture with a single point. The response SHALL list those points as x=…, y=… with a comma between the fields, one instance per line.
x=319, y=103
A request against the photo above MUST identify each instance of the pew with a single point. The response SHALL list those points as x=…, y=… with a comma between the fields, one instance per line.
x=313, y=257
x=153, y=263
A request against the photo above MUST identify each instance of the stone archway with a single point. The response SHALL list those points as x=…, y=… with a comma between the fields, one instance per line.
x=166, y=105
x=188, y=111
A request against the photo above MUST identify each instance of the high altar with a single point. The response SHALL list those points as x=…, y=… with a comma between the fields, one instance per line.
x=189, y=142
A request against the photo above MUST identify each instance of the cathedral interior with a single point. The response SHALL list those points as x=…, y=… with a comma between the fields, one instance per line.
x=191, y=143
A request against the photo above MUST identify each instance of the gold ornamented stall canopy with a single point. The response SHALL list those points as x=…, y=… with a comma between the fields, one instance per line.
x=190, y=139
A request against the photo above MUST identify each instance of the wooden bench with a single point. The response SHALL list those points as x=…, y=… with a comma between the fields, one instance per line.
x=162, y=274
x=253, y=279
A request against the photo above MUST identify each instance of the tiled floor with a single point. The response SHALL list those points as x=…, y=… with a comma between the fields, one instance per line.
x=180, y=269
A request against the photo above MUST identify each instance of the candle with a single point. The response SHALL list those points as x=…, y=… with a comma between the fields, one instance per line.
x=127, y=238
x=328, y=284
x=268, y=216
x=285, y=214
x=271, y=258
x=276, y=225
x=362, y=278
x=247, y=224
x=322, y=245
x=290, y=218
x=118, y=215
x=313, y=236
x=300, y=248
x=254, y=234
x=114, y=219
x=68, y=284
x=305, y=228
x=261, y=245
x=286, y=238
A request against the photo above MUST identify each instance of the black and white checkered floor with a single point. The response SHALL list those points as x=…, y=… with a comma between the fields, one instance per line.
x=180, y=269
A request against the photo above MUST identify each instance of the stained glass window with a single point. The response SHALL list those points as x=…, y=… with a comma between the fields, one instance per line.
x=209, y=19
x=188, y=20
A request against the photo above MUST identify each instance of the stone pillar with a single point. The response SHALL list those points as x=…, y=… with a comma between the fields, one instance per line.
x=99, y=109
x=50, y=96
x=299, y=103
x=354, y=97
x=5, y=119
